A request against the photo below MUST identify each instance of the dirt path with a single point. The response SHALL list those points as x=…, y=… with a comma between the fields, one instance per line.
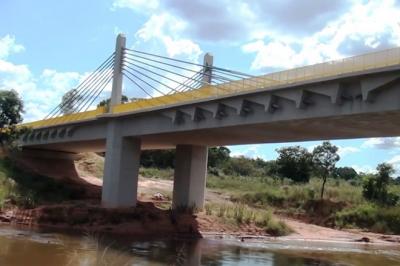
x=311, y=232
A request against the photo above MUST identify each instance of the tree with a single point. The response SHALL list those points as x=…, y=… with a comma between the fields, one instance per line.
x=158, y=158
x=217, y=156
x=375, y=186
x=69, y=101
x=295, y=163
x=124, y=99
x=346, y=173
x=324, y=158
x=241, y=166
x=11, y=108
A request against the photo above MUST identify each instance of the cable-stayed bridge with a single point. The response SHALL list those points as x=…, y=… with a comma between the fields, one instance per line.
x=191, y=106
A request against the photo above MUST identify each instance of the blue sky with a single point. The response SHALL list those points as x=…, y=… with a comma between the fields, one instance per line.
x=47, y=47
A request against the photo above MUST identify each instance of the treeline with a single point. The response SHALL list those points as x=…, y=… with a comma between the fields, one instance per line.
x=294, y=163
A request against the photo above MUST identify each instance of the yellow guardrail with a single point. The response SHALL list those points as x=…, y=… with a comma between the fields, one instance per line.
x=66, y=118
x=385, y=58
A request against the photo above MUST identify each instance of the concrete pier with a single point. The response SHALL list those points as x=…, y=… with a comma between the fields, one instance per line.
x=190, y=176
x=121, y=168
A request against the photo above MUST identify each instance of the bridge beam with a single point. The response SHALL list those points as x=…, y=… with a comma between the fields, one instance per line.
x=121, y=168
x=190, y=176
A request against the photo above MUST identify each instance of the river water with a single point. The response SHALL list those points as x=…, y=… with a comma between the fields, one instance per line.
x=23, y=247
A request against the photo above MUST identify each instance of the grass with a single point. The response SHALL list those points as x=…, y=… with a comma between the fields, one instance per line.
x=29, y=190
x=371, y=216
x=242, y=214
x=167, y=174
x=343, y=204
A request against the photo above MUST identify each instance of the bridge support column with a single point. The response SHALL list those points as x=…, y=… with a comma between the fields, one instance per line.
x=121, y=168
x=190, y=176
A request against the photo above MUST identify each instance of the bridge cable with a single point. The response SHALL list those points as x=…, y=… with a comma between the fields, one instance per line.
x=77, y=100
x=143, y=81
x=223, y=79
x=82, y=86
x=102, y=83
x=129, y=60
x=155, y=73
x=191, y=63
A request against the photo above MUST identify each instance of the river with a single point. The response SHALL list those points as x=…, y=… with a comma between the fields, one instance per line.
x=21, y=247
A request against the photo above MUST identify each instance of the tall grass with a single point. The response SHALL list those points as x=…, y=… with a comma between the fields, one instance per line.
x=167, y=174
x=242, y=214
x=371, y=216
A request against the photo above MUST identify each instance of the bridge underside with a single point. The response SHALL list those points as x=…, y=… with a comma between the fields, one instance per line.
x=383, y=124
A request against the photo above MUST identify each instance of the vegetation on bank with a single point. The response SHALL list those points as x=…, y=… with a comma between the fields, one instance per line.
x=241, y=214
x=346, y=204
x=28, y=190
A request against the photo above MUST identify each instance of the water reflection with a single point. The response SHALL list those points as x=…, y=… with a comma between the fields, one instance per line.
x=28, y=248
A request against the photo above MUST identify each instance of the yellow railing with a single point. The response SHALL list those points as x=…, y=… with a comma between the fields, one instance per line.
x=390, y=57
x=66, y=118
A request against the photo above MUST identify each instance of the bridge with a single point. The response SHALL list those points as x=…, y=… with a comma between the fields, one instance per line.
x=192, y=106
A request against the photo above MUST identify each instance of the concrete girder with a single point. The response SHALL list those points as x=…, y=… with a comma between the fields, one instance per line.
x=296, y=96
x=235, y=103
x=62, y=132
x=331, y=90
x=38, y=135
x=46, y=135
x=53, y=133
x=267, y=100
x=211, y=108
x=70, y=131
x=370, y=84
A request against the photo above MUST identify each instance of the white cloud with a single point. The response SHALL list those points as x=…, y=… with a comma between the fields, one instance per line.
x=364, y=169
x=344, y=151
x=249, y=151
x=382, y=143
x=39, y=93
x=59, y=81
x=8, y=46
x=366, y=26
x=275, y=54
x=167, y=30
x=395, y=161
x=138, y=5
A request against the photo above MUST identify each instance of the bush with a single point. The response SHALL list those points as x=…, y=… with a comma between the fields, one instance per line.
x=242, y=166
x=375, y=187
x=372, y=217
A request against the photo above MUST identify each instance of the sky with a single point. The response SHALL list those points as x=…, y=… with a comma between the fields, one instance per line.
x=48, y=47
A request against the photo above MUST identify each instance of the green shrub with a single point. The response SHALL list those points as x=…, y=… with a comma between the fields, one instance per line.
x=372, y=217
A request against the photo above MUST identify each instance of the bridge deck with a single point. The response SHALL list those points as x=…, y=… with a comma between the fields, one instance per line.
x=376, y=60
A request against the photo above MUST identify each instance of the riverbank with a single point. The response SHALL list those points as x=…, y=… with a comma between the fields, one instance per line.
x=223, y=216
x=152, y=218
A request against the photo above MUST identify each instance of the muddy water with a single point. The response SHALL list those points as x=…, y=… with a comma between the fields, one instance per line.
x=22, y=247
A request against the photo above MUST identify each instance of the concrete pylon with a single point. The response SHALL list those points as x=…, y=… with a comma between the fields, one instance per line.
x=207, y=67
x=190, y=176
x=116, y=93
x=121, y=168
